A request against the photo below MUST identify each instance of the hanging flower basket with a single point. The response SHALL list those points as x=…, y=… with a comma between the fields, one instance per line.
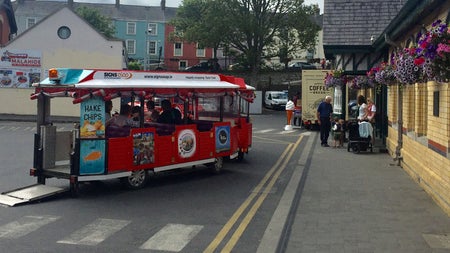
x=335, y=78
x=362, y=82
x=407, y=69
x=385, y=74
x=433, y=52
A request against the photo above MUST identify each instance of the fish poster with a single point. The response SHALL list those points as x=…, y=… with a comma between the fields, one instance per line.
x=92, y=157
x=92, y=119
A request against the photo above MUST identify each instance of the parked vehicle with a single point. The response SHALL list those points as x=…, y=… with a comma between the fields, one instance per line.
x=94, y=150
x=313, y=93
x=275, y=99
x=208, y=66
x=301, y=66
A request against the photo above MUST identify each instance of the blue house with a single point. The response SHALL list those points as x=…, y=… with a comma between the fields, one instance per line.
x=141, y=27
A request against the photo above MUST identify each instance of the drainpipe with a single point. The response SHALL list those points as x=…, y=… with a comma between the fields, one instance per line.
x=398, y=156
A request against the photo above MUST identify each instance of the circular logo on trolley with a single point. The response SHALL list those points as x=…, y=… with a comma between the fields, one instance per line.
x=186, y=143
x=223, y=136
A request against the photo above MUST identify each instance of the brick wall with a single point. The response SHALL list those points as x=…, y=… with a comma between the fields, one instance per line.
x=425, y=149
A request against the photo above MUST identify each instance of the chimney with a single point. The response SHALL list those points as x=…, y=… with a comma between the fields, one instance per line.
x=117, y=4
x=163, y=5
x=70, y=4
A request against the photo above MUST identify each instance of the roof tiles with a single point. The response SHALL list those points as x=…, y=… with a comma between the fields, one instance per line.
x=353, y=22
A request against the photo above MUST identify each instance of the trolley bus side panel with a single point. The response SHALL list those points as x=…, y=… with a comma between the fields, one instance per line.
x=119, y=154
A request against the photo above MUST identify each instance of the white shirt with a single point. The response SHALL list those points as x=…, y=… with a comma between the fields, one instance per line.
x=362, y=111
x=290, y=106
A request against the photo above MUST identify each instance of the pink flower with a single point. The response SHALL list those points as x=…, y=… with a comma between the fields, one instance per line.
x=442, y=48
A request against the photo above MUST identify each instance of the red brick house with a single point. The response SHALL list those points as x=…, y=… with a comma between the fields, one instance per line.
x=180, y=55
x=8, y=25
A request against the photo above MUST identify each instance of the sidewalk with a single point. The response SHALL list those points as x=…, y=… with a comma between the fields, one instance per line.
x=347, y=202
x=32, y=118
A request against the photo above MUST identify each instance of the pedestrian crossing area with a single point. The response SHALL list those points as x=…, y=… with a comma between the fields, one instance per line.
x=170, y=237
x=275, y=131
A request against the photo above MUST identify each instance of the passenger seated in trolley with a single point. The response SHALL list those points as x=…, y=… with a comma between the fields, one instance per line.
x=123, y=119
x=169, y=114
x=152, y=114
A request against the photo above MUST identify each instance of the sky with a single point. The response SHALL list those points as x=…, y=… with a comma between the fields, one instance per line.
x=169, y=3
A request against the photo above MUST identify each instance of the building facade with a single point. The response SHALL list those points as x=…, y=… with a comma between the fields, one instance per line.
x=419, y=113
x=142, y=28
x=416, y=117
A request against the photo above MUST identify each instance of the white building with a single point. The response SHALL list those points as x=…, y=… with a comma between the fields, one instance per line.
x=62, y=39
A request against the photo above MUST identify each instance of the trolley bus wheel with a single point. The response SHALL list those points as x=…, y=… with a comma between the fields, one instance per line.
x=136, y=180
x=217, y=165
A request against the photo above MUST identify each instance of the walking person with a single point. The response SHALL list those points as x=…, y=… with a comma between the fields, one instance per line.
x=324, y=112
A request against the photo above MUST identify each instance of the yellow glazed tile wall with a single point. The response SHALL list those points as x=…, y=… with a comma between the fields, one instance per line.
x=430, y=169
x=420, y=109
x=438, y=127
x=392, y=103
x=408, y=107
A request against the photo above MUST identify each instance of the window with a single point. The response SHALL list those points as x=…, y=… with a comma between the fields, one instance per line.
x=178, y=49
x=30, y=22
x=131, y=46
x=151, y=47
x=200, y=51
x=131, y=28
x=64, y=32
x=182, y=65
x=436, y=103
x=152, y=29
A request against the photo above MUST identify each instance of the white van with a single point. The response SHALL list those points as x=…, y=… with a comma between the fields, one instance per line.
x=276, y=99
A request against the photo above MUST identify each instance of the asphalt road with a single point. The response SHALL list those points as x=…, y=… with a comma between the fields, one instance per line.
x=188, y=210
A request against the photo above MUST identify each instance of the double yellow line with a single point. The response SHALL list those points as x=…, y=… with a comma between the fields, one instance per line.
x=260, y=190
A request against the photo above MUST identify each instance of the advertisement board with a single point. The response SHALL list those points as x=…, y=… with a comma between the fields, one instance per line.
x=19, y=68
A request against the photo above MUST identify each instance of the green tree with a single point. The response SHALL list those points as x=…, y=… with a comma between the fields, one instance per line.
x=297, y=36
x=252, y=27
x=200, y=22
x=102, y=23
x=134, y=65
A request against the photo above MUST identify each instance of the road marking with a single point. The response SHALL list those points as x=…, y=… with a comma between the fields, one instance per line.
x=288, y=132
x=27, y=128
x=96, y=232
x=274, y=231
x=273, y=173
x=265, y=130
x=269, y=140
x=2, y=127
x=25, y=225
x=172, y=237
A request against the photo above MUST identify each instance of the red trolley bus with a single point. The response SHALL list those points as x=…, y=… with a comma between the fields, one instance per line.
x=213, y=125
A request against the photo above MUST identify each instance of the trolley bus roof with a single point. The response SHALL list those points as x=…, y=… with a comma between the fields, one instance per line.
x=77, y=83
